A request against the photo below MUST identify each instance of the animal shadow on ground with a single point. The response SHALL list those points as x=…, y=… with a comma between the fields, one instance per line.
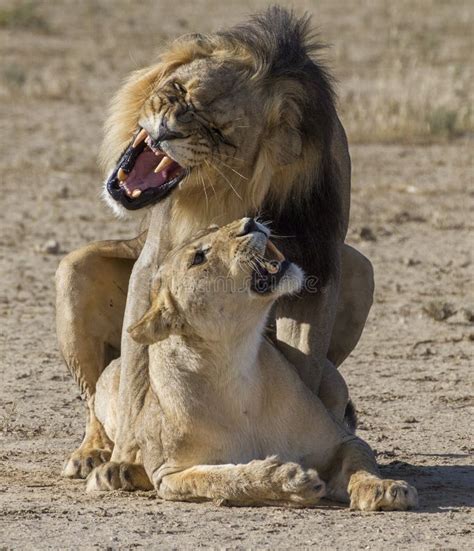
x=439, y=487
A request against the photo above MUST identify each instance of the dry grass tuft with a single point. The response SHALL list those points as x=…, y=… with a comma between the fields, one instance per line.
x=408, y=77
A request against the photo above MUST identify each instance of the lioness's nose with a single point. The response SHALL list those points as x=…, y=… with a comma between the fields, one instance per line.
x=249, y=226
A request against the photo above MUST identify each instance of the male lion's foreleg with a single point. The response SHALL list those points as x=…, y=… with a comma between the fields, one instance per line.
x=118, y=476
x=355, y=299
x=355, y=475
x=96, y=448
x=303, y=330
x=91, y=288
x=260, y=482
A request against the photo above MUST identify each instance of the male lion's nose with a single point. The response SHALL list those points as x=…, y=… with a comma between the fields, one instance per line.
x=165, y=133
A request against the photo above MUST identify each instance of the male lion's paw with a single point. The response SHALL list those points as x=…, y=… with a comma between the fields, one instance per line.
x=82, y=462
x=374, y=494
x=118, y=476
x=301, y=487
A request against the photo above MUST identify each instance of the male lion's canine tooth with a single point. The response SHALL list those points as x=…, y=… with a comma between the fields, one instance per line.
x=136, y=193
x=271, y=247
x=121, y=174
x=139, y=137
x=164, y=163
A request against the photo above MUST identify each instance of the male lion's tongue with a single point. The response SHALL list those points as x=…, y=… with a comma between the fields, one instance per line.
x=142, y=176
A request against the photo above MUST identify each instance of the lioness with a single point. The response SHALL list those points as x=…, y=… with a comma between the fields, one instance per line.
x=223, y=403
x=236, y=123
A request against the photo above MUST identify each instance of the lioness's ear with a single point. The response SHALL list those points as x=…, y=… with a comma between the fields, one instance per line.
x=159, y=321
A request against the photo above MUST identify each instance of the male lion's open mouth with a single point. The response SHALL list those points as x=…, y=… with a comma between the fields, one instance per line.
x=144, y=174
x=269, y=270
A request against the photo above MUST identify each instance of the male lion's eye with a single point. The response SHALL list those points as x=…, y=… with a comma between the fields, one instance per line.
x=199, y=258
x=179, y=87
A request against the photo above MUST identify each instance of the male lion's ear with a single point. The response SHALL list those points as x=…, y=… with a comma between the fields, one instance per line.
x=283, y=121
x=287, y=145
x=159, y=321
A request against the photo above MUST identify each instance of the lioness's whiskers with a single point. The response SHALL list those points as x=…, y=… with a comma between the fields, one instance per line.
x=276, y=236
x=263, y=222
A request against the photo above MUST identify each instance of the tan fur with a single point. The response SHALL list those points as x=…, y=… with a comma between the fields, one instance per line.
x=226, y=417
x=272, y=163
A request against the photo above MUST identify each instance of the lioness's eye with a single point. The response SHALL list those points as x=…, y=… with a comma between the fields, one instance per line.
x=199, y=258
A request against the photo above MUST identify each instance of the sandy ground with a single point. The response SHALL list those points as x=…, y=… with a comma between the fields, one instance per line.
x=410, y=377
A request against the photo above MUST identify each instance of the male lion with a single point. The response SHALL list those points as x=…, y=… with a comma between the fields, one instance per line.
x=236, y=123
x=222, y=401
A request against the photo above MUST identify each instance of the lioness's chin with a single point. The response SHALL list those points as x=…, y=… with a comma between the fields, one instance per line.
x=286, y=279
x=291, y=281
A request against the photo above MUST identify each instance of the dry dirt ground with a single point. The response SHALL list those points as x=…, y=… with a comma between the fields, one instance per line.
x=405, y=72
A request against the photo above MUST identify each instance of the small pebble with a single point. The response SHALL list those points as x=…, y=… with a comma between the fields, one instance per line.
x=439, y=311
x=50, y=247
x=367, y=234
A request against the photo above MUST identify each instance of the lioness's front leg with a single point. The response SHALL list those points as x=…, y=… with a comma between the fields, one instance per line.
x=354, y=473
x=91, y=285
x=260, y=482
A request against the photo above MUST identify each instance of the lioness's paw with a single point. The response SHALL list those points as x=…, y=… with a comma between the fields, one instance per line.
x=298, y=486
x=118, y=476
x=373, y=494
x=81, y=463
x=303, y=485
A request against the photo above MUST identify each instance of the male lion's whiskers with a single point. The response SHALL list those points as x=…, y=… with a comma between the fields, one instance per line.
x=204, y=188
x=183, y=181
x=225, y=178
x=230, y=168
x=212, y=187
x=221, y=156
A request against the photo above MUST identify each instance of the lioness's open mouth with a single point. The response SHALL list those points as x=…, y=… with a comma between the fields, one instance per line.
x=144, y=174
x=269, y=270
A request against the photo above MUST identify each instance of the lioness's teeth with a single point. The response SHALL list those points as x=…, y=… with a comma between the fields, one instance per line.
x=139, y=137
x=136, y=193
x=272, y=267
x=164, y=163
x=121, y=174
x=271, y=247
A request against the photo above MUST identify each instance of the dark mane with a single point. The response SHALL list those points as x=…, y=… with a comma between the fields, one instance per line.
x=285, y=47
x=281, y=42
